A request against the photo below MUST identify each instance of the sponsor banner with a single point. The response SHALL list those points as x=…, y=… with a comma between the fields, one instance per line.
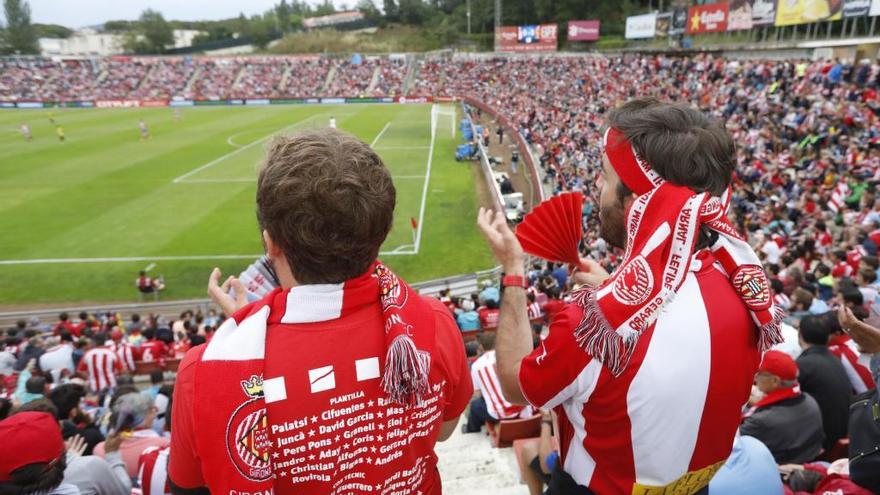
x=444, y=99
x=875, y=7
x=679, y=21
x=791, y=12
x=287, y=101
x=312, y=100
x=583, y=30
x=739, y=15
x=30, y=104
x=532, y=38
x=189, y=103
x=419, y=99
x=856, y=8
x=387, y=100
x=763, y=12
x=235, y=102
x=662, y=25
x=711, y=18
x=117, y=103
x=7, y=104
x=258, y=101
x=640, y=26
x=363, y=100
x=332, y=101
x=154, y=103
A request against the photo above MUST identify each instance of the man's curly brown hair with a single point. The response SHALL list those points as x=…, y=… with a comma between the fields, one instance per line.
x=327, y=201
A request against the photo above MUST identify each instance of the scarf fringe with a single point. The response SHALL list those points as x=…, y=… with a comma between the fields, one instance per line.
x=405, y=378
x=598, y=338
x=770, y=333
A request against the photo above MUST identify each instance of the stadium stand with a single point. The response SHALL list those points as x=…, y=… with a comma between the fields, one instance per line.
x=805, y=190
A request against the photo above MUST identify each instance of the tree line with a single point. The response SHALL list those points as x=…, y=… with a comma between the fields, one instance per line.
x=151, y=33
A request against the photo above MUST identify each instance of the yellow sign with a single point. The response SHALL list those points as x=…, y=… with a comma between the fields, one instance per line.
x=687, y=484
x=791, y=12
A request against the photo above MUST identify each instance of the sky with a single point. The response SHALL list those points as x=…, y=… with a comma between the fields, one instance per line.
x=79, y=13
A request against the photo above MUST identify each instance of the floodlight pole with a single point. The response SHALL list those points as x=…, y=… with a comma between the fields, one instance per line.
x=497, y=14
x=469, y=16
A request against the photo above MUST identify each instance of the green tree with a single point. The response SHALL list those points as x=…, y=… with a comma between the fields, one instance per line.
x=19, y=35
x=152, y=34
x=391, y=12
x=282, y=14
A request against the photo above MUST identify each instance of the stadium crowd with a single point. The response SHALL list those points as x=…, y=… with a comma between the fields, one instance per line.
x=202, y=78
x=805, y=192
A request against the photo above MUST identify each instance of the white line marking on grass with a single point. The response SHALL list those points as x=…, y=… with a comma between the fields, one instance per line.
x=217, y=160
x=418, y=240
x=220, y=181
x=400, y=148
x=379, y=136
x=407, y=176
x=233, y=143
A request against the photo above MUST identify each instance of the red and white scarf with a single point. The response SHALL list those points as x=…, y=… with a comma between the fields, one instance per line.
x=778, y=395
x=662, y=230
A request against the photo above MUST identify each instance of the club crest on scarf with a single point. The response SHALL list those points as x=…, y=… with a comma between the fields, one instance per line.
x=392, y=293
x=247, y=433
x=750, y=283
x=635, y=282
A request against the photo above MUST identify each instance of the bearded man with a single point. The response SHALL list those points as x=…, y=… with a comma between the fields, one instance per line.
x=648, y=368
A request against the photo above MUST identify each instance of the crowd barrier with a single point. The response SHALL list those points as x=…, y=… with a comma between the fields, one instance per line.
x=537, y=191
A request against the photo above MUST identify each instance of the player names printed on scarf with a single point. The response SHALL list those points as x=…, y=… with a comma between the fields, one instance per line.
x=352, y=436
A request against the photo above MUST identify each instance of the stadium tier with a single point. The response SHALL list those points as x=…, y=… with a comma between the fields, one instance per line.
x=720, y=335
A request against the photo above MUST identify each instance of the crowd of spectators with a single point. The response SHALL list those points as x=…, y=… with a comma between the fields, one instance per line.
x=72, y=382
x=165, y=78
x=804, y=193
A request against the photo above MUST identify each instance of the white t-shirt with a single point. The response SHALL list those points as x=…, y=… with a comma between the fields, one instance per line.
x=57, y=359
x=333, y=123
x=772, y=251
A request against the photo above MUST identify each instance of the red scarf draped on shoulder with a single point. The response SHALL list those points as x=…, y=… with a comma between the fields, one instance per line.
x=778, y=395
x=662, y=230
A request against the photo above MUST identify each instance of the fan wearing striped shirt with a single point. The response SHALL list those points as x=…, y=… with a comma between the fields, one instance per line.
x=489, y=404
x=648, y=368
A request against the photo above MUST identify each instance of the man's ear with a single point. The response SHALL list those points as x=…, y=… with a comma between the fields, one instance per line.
x=272, y=249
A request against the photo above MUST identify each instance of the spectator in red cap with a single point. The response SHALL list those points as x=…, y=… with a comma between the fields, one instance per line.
x=32, y=459
x=786, y=420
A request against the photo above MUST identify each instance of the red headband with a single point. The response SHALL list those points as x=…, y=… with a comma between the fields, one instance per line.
x=634, y=172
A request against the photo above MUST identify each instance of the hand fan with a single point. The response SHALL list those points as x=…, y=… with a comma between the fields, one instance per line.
x=552, y=230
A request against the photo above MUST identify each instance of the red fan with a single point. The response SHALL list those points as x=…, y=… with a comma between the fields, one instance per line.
x=553, y=229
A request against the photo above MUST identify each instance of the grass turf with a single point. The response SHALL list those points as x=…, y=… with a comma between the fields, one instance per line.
x=103, y=193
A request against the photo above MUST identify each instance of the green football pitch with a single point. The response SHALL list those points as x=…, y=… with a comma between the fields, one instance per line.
x=79, y=219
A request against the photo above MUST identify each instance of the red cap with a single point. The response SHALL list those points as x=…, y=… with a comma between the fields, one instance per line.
x=116, y=335
x=35, y=437
x=780, y=364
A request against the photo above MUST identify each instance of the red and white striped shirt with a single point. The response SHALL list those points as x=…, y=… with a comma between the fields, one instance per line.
x=859, y=375
x=486, y=381
x=153, y=471
x=668, y=421
x=125, y=353
x=101, y=365
x=535, y=311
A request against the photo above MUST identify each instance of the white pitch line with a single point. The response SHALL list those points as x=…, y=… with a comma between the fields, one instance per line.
x=219, y=181
x=239, y=150
x=400, y=148
x=407, y=176
x=418, y=241
x=379, y=136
